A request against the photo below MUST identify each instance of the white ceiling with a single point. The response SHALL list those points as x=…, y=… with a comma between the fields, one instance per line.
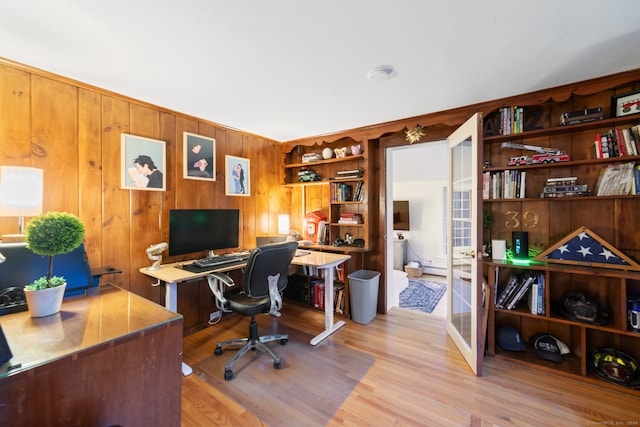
x=288, y=69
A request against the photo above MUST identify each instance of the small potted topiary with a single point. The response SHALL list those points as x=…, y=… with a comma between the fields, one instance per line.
x=50, y=234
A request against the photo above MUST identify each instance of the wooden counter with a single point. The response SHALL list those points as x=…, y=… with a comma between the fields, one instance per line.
x=108, y=358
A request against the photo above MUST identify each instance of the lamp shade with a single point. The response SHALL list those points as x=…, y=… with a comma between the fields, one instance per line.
x=283, y=224
x=20, y=191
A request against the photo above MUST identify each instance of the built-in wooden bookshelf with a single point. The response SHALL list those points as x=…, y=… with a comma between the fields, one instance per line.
x=547, y=220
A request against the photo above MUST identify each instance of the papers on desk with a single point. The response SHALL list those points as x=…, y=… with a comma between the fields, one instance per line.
x=300, y=252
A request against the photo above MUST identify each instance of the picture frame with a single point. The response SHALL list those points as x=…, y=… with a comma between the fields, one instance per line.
x=199, y=157
x=143, y=163
x=237, y=176
x=625, y=104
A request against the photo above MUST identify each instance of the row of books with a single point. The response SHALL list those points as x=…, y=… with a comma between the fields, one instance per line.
x=509, y=184
x=619, y=179
x=536, y=295
x=323, y=233
x=350, y=218
x=617, y=143
x=581, y=116
x=511, y=120
x=517, y=286
x=343, y=192
x=316, y=289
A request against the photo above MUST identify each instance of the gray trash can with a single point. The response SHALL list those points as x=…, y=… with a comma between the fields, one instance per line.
x=363, y=293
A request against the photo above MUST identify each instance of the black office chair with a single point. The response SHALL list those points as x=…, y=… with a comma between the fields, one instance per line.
x=263, y=281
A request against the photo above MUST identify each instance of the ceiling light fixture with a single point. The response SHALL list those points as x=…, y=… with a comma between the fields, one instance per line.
x=381, y=72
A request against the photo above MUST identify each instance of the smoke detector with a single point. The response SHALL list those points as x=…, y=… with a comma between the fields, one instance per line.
x=380, y=73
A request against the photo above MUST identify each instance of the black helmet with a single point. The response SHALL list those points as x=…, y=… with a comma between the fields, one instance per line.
x=616, y=367
x=579, y=307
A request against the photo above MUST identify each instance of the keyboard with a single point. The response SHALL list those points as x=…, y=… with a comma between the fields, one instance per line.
x=220, y=260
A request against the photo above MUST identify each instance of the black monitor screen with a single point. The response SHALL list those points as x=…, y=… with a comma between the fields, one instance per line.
x=197, y=230
x=23, y=267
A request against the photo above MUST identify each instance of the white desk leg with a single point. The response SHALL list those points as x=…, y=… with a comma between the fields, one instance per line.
x=329, y=326
x=171, y=303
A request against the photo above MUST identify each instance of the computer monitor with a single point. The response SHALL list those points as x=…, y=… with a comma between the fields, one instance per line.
x=198, y=230
x=23, y=267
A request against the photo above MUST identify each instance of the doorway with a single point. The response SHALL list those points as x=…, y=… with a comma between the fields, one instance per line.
x=417, y=174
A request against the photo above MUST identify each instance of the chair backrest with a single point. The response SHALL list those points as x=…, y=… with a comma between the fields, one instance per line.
x=267, y=261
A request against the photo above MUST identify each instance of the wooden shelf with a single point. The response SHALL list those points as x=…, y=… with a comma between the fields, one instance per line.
x=325, y=162
x=559, y=130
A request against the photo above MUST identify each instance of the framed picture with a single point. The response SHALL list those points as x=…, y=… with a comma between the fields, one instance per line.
x=237, y=174
x=199, y=157
x=625, y=104
x=143, y=163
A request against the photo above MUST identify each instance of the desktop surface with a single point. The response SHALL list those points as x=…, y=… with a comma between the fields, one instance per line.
x=107, y=313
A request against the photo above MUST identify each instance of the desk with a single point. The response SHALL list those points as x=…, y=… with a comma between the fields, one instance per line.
x=172, y=274
x=108, y=358
x=324, y=261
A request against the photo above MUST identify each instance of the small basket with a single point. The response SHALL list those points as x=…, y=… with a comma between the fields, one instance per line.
x=413, y=271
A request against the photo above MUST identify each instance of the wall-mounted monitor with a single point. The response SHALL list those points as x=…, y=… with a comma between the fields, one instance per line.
x=401, y=215
x=198, y=230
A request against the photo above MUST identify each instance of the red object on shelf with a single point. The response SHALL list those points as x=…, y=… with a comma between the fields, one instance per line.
x=310, y=224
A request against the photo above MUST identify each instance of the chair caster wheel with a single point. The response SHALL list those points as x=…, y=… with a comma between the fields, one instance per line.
x=276, y=364
x=284, y=341
x=228, y=374
x=218, y=350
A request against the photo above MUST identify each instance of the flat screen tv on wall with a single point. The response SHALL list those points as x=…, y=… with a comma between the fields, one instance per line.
x=401, y=215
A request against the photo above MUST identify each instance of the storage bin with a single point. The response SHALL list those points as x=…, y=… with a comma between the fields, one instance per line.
x=363, y=291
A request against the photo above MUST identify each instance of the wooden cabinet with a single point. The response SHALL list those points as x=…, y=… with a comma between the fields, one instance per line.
x=108, y=358
x=614, y=218
x=610, y=288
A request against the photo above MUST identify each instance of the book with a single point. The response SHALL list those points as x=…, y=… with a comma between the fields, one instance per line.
x=630, y=142
x=525, y=283
x=507, y=290
x=533, y=298
x=615, y=180
x=541, y=294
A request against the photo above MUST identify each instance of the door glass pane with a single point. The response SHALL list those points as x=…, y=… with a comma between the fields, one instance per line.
x=461, y=207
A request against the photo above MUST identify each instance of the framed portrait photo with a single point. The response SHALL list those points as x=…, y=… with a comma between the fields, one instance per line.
x=143, y=163
x=625, y=104
x=199, y=157
x=237, y=176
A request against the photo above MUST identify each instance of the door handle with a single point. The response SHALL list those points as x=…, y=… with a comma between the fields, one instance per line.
x=472, y=254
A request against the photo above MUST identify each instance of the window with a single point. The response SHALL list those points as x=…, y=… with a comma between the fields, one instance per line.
x=461, y=218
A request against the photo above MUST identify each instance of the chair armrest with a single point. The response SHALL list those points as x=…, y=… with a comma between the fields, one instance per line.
x=214, y=279
x=274, y=295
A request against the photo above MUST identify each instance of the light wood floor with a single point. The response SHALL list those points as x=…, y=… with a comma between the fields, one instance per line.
x=418, y=379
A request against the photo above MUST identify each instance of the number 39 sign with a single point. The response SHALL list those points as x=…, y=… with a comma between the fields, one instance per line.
x=528, y=219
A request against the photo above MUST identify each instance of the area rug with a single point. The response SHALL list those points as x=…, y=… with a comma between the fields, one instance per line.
x=422, y=295
x=311, y=385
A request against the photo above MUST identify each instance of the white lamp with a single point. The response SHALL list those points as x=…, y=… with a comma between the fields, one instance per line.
x=20, y=195
x=283, y=224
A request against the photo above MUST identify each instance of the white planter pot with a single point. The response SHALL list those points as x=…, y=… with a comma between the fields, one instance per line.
x=45, y=302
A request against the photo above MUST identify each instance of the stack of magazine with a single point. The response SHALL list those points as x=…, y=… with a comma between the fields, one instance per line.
x=517, y=286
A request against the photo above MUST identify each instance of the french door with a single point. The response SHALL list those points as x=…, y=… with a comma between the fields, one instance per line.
x=464, y=278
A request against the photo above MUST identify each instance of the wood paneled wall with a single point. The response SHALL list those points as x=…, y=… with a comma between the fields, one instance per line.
x=73, y=132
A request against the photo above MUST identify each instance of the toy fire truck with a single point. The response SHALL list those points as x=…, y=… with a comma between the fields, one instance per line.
x=543, y=155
